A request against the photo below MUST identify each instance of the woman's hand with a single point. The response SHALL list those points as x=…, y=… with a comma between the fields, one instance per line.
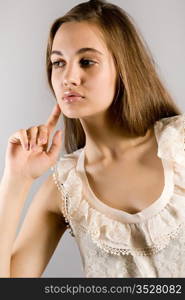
x=27, y=156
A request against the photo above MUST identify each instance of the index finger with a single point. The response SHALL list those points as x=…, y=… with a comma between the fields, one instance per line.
x=53, y=118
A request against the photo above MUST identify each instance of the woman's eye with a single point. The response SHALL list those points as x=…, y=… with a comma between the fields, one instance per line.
x=85, y=63
x=55, y=64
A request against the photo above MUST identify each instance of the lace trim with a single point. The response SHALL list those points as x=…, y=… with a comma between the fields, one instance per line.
x=65, y=200
x=158, y=246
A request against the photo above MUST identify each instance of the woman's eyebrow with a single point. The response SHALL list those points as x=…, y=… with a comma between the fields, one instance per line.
x=82, y=50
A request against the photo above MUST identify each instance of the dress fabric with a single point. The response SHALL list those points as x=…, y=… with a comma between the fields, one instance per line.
x=114, y=243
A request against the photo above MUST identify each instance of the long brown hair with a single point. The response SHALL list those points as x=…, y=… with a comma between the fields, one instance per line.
x=140, y=97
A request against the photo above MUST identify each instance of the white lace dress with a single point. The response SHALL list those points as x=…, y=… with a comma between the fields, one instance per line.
x=113, y=243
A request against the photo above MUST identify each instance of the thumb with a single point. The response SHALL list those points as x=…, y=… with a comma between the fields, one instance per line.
x=55, y=146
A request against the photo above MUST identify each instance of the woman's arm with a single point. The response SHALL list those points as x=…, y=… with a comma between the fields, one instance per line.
x=40, y=233
x=27, y=158
x=13, y=193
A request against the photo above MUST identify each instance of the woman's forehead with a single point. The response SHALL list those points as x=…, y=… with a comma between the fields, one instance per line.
x=79, y=35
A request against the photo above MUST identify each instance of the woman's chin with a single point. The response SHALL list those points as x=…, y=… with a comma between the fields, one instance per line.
x=72, y=115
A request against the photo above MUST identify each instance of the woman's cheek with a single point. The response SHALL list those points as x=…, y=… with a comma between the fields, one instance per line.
x=54, y=82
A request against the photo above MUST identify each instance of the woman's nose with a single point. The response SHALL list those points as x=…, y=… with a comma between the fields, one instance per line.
x=72, y=75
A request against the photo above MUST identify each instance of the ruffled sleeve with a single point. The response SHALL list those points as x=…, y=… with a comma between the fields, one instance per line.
x=69, y=185
x=170, y=133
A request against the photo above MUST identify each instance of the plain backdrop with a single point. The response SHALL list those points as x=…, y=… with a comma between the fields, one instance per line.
x=25, y=96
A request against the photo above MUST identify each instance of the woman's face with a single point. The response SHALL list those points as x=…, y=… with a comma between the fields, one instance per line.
x=89, y=73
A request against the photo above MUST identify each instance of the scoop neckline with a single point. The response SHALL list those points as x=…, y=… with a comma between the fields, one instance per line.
x=122, y=215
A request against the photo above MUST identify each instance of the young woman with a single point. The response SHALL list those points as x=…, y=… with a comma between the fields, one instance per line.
x=119, y=187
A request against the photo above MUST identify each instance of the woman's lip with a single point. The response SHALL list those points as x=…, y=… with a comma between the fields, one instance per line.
x=71, y=99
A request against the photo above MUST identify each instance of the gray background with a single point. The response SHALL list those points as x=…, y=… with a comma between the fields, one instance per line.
x=25, y=96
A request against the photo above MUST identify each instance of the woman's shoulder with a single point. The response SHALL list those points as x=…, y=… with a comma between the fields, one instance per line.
x=65, y=164
x=51, y=196
x=66, y=183
x=170, y=134
x=176, y=121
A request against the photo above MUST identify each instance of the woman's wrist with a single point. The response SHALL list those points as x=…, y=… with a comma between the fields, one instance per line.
x=16, y=181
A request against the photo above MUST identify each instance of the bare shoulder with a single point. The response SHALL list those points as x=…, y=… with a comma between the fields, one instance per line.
x=51, y=196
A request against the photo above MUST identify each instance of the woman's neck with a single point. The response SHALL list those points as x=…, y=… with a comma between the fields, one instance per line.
x=108, y=142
